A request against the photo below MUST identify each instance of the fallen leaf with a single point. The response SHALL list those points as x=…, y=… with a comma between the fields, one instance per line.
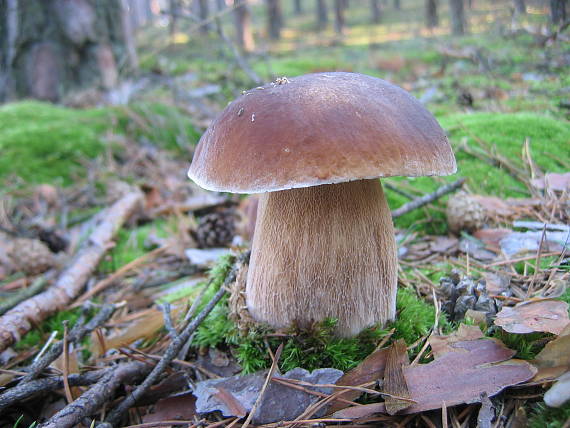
x=553, y=181
x=554, y=359
x=492, y=237
x=441, y=345
x=178, y=407
x=456, y=377
x=443, y=244
x=369, y=370
x=394, y=380
x=233, y=396
x=494, y=205
x=545, y=315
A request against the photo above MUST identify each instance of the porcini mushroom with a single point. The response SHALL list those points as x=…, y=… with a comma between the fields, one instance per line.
x=314, y=146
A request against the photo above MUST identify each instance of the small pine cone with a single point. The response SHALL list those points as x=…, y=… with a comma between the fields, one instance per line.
x=31, y=256
x=239, y=313
x=464, y=212
x=216, y=229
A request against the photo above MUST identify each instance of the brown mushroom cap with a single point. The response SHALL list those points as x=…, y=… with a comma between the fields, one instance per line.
x=317, y=129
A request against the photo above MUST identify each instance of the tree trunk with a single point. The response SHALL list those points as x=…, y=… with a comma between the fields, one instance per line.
x=375, y=11
x=432, y=19
x=339, y=16
x=297, y=7
x=173, y=11
x=457, y=17
x=520, y=7
x=557, y=11
x=397, y=5
x=204, y=13
x=220, y=4
x=52, y=47
x=242, y=20
x=274, y=19
x=322, y=14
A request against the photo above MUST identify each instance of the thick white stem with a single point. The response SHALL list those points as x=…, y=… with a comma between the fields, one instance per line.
x=324, y=251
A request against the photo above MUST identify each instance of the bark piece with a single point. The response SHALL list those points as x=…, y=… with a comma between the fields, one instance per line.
x=23, y=317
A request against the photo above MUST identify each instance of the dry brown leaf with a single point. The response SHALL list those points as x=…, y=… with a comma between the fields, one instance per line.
x=492, y=237
x=394, y=379
x=553, y=181
x=143, y=327
x=179, y=407
x=494, y=206
x=457, y=377
x=443, y=244
x=545, y=315
x=441, y=345
x=554, y=359
x=369, y=370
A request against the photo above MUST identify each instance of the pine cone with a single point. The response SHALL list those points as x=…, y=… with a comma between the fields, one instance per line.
x=216, y=229
x=31, y=256
x=464, y=212
x=461, y=293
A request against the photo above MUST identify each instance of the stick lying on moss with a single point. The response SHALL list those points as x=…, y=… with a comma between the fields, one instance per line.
x=114, y=417
x=23, y=317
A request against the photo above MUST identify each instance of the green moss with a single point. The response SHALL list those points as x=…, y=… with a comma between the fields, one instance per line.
x=132, y=244
x=54, y=323
x=164, y=125
x=543, y=416
x=526, y=345
x=217, y=328
x=310, y=349
x=506, y=134
x=414, y=317
x=40, y=142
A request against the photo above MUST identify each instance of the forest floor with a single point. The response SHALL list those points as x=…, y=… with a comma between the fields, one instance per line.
x=99, y=196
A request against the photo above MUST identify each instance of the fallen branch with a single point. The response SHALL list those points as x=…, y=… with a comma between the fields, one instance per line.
x=30, y=389
x=25, y=293
x=23, y=317
x=171, y=353
x=426, y=199
x=94, y=398
x=78, y=332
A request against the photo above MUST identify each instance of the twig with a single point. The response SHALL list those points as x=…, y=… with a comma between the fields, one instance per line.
x=264, y=387
x=33, y=311
x=92, y=400
x=67, y=389
x=165, y=308
x=78, y=332
x=426, y=199
x=397, y=190
x=101, y=285
x=37, y=286
x=30, y=389
x=177, y=343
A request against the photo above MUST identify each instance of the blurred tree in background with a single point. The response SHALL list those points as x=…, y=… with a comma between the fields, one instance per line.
x=51, y=47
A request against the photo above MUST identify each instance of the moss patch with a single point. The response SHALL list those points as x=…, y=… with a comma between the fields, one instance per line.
x=40, y=142
x=543, y=416
x=43, y=143
x=505, y=134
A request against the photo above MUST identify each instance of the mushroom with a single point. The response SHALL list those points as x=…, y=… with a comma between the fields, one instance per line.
x=314, y=147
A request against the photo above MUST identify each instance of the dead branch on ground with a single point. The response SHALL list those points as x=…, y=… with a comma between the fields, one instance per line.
x=23, y=317
x=426, y=199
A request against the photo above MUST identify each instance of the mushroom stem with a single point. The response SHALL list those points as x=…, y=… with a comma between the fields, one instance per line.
x=324, y=252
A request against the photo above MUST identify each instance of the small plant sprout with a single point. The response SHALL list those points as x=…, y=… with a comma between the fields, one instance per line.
x=324, y=243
